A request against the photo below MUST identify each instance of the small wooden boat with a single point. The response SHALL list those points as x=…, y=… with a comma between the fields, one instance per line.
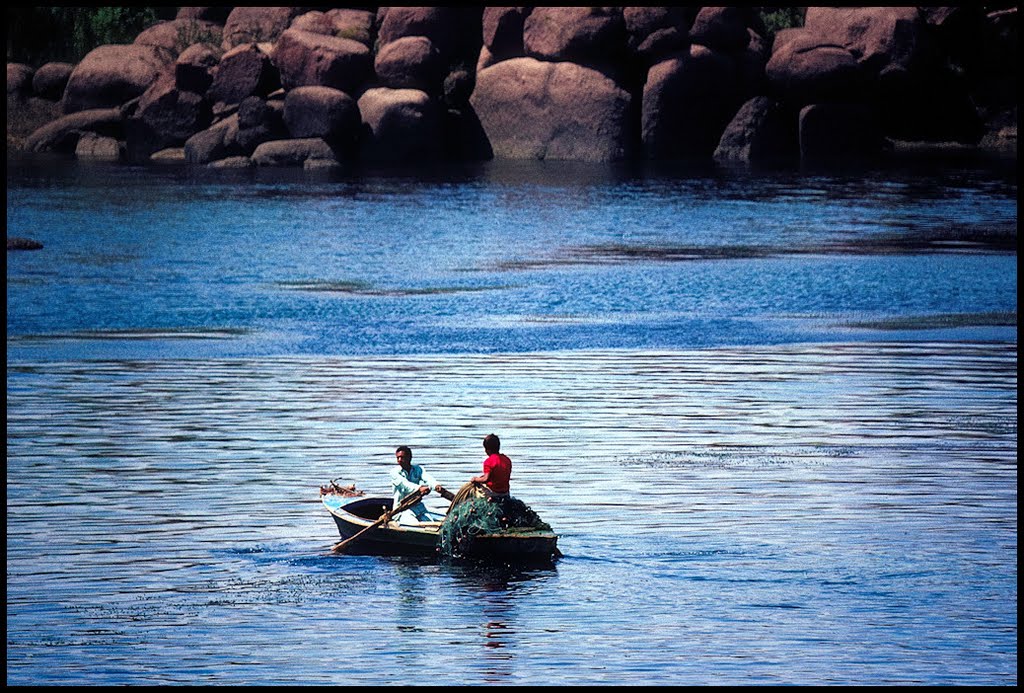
x=353, y=514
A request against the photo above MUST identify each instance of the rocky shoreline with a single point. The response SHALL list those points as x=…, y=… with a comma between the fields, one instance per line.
x=285, y=86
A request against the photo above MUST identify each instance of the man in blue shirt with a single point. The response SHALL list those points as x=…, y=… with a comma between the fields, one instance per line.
x=409, y=478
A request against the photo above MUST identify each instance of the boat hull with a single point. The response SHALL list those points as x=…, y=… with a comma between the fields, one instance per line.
x=388, y=539
x=533, y=547
x=354, y=515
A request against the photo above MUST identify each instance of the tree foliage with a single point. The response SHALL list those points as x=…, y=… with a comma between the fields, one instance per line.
x=40, y=34
x=778, y=18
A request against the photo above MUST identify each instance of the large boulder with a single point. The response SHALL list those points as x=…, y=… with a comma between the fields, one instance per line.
x=400, y=125
x=442, y=25
x=533, y=109
x=306, y=59
x=216, y=142
x=839, y=132
x=99, y=147
x=178, y=34
x=585, y=35
x=687, y=102
x=881, y=38
x=195, y=67
x=50, y=80
x=721, y=28
x=850, y=53
x=323, y=112
x=256, y=25
x=292, y=152
x=232, y=163
x=654, y=33
x=503, y=31
x=763, y=131
x=254, y=112
x=259, y=121
x=354, y=24
x=114, y=74
x=410, y=62
x=243, y=71
x=805, y=69
x=19, y=79
x=170, y=115
x=63, y=134
x=25, y=115
x=888, y=57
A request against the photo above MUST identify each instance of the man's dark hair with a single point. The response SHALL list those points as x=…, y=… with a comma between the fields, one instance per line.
x=404, y=448
x=491, y=443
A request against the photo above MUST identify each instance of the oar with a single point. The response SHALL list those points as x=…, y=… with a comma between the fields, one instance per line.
x=411, y=500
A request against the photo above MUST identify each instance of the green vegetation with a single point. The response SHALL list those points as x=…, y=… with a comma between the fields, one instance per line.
x=778, y=18
x=40, y=34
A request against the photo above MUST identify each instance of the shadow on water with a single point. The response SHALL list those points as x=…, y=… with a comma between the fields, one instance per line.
x=962, y=238
x=472, y=609
x=487, y=600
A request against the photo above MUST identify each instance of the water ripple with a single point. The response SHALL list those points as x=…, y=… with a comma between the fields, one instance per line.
x=855, y=501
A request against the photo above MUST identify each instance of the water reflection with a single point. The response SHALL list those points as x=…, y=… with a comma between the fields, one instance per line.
x=456, y=615
x=491, y=597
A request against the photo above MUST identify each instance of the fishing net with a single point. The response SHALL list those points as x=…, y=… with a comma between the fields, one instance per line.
x=472, y=513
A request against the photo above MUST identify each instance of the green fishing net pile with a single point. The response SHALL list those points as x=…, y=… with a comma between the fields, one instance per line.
x=480, y=515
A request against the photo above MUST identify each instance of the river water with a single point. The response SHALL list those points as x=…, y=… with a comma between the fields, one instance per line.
x=772, y=417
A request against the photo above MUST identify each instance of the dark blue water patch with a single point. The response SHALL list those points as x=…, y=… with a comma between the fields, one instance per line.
x=912, y=240
x=357, y=288
x=774, y=606
x=137, y=334
x=604, y=309
x=487, y=262
x=940, y=321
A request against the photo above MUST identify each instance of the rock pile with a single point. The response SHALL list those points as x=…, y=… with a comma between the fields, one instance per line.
x=269, y=86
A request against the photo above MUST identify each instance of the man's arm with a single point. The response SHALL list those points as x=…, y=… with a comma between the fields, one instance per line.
x=400, y=483
x=432, y=483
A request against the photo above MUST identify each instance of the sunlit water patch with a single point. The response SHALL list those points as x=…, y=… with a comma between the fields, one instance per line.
x=804, y=514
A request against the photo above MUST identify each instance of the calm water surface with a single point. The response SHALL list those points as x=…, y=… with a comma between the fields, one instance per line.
x=772, y=417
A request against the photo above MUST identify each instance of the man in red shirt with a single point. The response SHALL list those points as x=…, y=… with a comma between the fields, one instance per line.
x=497, y=468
